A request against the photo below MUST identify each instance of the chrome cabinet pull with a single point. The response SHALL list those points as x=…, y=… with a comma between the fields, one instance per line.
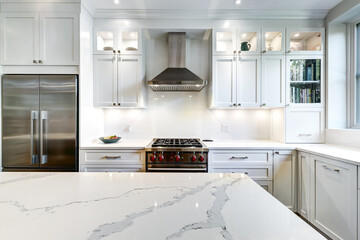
x=241, y=158
x=111, y=157
x=331, y=169
x=305, y=134
x=43, y=131
x=34, y=116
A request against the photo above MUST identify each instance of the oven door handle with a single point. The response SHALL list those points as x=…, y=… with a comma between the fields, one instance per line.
x=177, y=169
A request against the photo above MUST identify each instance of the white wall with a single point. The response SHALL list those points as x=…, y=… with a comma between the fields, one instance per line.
x=91, y=119
x=345, y=137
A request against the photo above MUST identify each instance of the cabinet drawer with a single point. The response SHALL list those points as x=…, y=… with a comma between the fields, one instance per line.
x=267, y=185
x=237, y=158
x=96, y=168
x=112, y=157
x=305, y=125
x=255, y=173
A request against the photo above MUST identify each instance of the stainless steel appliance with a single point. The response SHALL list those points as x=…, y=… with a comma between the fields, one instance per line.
x=177, y=77
x=176, y=155
x=39, y=123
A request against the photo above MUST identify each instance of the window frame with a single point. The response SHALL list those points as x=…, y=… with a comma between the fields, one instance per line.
x=353, y=71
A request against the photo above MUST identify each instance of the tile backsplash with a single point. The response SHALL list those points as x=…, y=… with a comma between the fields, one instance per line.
x=176, y=114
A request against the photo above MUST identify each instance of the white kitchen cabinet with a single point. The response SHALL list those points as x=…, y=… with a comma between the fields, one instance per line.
x=334, y=200
x=304, y=187
x=40, y=39
x=122, y=41
x=240, y=158
x=236, y=82
x=224, y=41
x=273, y=81
x=284, y=178
x=267, y=185
x=248, y=41
x=273, y=41
x=305, y=41
x=111, y=169
x=224, y=81
x=254, y=172
x=118, y=81
x=59, y=38
x=305, y=125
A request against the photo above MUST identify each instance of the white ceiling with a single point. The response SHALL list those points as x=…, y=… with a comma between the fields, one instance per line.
x=206, y=5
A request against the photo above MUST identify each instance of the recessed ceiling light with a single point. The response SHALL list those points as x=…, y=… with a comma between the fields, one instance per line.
x=237, y=2
x=297, y=35
x=116, y=1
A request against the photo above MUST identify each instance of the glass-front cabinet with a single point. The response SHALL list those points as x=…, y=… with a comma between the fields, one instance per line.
x=113, y=40
x=273, y=41
x=305, y=41
x=248, y=41
x=305, y=76
x=224, y=41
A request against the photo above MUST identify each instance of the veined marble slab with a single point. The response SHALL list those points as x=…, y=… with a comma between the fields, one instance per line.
x=142, y=206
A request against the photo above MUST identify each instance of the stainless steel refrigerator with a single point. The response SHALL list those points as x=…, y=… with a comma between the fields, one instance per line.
x=39, y=123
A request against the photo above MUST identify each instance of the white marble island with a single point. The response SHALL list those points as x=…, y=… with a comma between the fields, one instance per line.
x=142, y=206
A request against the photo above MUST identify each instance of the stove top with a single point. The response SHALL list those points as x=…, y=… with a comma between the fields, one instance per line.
x=176, y=142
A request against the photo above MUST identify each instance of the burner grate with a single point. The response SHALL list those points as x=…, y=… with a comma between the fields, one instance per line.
x=176, y=142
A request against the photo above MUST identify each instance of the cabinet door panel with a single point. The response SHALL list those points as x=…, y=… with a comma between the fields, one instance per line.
x=224, y=81
x=335, y=200
x=105, y=82
x=129, y=80
x=273, y=81
x=59, y=39
x=284, y=178
x=20, y=40
x=248, y=81
x=304, y=184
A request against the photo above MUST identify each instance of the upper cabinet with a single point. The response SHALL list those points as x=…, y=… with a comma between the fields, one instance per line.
x=40, y=39
x=243, y=41
x=305, y=41
x=121, y=41
x=273, y=41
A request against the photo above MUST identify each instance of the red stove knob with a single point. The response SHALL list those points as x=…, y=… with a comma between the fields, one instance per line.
x=177, y=158
x=201, y=158
x=193, y=158
x=161, y=158
x=152, y=158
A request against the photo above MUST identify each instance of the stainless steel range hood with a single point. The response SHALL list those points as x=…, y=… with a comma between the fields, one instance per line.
x=177, y=77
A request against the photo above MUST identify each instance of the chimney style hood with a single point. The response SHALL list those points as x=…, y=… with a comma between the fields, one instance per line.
x=177, y=77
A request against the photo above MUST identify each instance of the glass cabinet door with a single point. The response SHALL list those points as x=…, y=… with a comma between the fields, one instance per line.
x=305, y=41
x=305, y=77
x=248, y=41
x=224, y=41
x=130, y=41
x=273, y=41
x=105, y=41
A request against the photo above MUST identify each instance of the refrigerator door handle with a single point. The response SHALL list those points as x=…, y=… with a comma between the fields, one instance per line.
x=43, y=145
x=34, y=117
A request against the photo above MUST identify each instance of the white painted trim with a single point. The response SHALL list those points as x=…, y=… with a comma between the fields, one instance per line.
x=41, y=7
x=218, y=14
x=40, y=70
x=351, y=58
x=89, y=6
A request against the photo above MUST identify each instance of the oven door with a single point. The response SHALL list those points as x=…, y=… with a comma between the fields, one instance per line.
x=177, y=168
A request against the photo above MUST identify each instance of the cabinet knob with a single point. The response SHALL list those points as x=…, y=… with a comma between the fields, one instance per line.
x=239, y=51
x=40, y=61
x=119, y=104
x=264, y=104
x=234, y=104
x=239, y=104
x=114, y=104
x=114, y=51
x=34, y=61
x=289, y=51
x=264, y=51
x=119, y=51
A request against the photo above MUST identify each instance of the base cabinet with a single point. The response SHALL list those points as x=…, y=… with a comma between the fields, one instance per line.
x=284, y=178
x=267, y=185
x=334, y=197
x=106, y=168
x=304, y=184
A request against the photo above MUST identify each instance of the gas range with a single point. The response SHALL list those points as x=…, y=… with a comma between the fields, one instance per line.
x=176, y=155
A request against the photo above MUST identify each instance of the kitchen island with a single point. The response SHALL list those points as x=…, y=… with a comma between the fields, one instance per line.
x=142, y=206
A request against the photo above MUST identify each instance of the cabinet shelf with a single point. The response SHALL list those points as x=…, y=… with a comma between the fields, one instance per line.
x=312, y=81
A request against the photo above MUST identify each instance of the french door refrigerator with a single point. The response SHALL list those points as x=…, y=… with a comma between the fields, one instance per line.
x=39, y=123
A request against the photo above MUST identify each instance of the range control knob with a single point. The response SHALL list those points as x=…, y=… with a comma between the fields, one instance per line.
x=193, y=158
x=177, y=158
x=201, y=158
x=161, y=158
x=152, y=158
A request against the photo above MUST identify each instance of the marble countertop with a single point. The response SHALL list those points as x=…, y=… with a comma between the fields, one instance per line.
x=143, y=206
x=248, y=144
x=132, y=144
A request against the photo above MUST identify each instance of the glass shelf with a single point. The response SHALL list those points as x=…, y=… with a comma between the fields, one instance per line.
x=305, y=80
x=305, y=41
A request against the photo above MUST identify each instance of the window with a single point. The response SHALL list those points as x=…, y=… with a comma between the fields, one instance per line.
x=357, y=75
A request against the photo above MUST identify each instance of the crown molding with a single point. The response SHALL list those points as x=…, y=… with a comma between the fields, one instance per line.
x=89, y=6
x=211, y=15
